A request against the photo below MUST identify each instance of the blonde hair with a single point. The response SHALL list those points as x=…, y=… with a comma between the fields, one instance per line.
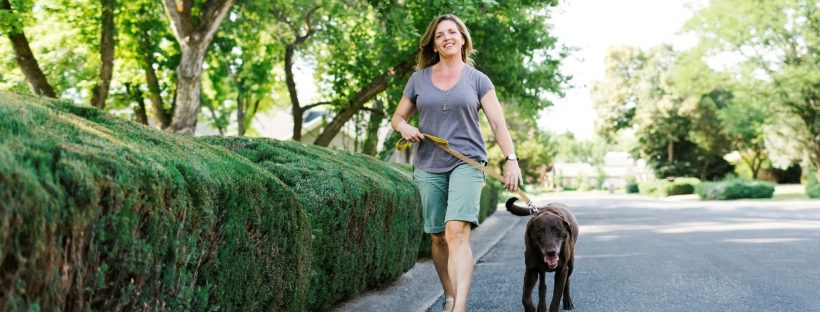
x=428, y=57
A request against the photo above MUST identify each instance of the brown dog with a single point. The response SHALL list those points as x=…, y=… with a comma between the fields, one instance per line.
x=549, y=246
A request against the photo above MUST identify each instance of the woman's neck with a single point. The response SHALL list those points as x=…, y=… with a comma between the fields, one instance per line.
x=450, y=63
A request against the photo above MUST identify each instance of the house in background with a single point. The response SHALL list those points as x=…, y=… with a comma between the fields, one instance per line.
x=618, y=169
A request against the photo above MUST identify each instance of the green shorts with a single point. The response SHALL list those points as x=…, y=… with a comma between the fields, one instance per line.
x=454, y=195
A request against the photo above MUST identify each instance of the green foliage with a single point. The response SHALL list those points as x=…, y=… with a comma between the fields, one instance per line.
x=679, y=189
x=663, y=188
x=734, y=189
x=365, y=218
x=783, y=69
x=104, y=214
x=813, y=190
x=632, y=188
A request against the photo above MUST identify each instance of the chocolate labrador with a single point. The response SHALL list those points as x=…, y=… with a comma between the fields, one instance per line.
x=549, y=246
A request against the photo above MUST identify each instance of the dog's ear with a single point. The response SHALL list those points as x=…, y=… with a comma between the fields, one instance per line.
x=567, y=226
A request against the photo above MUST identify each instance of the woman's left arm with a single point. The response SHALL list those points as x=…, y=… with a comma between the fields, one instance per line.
x=492, y=108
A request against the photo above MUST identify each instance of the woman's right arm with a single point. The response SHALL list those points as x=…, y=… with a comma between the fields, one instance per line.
x=399, y=121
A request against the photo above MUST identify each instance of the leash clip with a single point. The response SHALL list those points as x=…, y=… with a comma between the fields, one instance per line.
x=533, y=210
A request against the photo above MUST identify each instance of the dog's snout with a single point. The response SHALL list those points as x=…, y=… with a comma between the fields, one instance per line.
x=551, y=253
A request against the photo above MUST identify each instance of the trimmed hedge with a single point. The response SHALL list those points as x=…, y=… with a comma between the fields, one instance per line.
x=632, y=188
x=99, y=213
x=365, y=216
x=735, y=189
x=813, y=190
x=663, y=188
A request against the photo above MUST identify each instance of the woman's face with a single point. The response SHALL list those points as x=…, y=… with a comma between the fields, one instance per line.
x=447, y=40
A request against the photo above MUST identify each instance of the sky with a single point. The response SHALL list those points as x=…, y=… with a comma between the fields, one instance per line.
x=592, y=26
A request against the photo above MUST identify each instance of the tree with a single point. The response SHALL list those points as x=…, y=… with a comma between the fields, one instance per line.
x=778, y=43
x=372, y=59
x=194, y=35
x=240, y=72
x=674, y=119
x=11, y=23
x=107, y=43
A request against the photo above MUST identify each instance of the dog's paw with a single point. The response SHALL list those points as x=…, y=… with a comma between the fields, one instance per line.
x=569, y=306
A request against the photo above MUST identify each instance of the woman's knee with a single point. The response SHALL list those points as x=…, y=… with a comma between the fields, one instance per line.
x=457, y=231
x=439, y=240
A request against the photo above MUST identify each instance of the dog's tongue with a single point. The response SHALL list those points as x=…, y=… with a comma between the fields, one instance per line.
x=552, y=262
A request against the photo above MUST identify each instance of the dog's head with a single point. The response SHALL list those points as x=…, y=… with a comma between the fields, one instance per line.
x=550, y=232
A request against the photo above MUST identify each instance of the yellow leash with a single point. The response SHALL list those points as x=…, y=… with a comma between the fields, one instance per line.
x=442, y=144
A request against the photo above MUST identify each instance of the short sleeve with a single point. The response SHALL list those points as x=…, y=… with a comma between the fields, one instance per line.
x=484, y=85
x=410, y=89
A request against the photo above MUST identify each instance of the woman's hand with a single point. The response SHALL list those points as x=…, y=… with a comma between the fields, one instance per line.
x=512, y=175
x=410, y=133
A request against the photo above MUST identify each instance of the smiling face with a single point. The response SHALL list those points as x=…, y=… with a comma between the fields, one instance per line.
x=447, y=39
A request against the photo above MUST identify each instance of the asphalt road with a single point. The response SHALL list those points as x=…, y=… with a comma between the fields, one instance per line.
x=641, y=254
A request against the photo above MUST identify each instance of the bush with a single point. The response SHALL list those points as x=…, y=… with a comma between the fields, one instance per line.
x=813, y=190
x=365, y=216
x=735, y=189
x=632, y=188
x=98, y=213
x=680, y=186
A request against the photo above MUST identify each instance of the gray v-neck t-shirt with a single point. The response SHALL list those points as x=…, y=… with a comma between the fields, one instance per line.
x=448, y=114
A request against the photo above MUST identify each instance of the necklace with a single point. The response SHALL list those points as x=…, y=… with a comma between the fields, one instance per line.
x=446, y=95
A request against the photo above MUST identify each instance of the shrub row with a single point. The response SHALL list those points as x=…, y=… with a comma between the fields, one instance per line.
x=735, y=189
x=365, y=218
x=97, y=213
x=104, y=214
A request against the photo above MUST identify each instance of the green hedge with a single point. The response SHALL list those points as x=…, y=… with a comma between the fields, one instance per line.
x=632, y=188
x=735, y=189
x=813, y=190
x=365, y=216
x=98, y=213
x=663, y=188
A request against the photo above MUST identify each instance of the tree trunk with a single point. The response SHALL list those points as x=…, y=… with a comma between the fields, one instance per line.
x=240, y=115
x=193, y=41
x=106, y=55
x=154, y=90
x=189, y=79
x=376, y=117
x=140, y=115
x=296, y=109
x=357, y=101
x=670, y=152
x=37, y=82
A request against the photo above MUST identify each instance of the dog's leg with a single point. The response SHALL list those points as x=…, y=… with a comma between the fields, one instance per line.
x=560, y=281
x=530, y=277
x=542, y=292
x=568, y=305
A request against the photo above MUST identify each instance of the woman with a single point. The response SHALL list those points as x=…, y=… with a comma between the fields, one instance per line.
x=448, y=93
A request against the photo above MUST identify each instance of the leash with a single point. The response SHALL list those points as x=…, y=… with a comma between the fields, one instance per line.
x=442, y=144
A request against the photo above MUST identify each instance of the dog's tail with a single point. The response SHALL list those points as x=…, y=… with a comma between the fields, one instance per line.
x=515, y=209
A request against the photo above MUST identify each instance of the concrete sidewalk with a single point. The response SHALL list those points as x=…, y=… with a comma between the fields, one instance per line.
x=419, y=287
